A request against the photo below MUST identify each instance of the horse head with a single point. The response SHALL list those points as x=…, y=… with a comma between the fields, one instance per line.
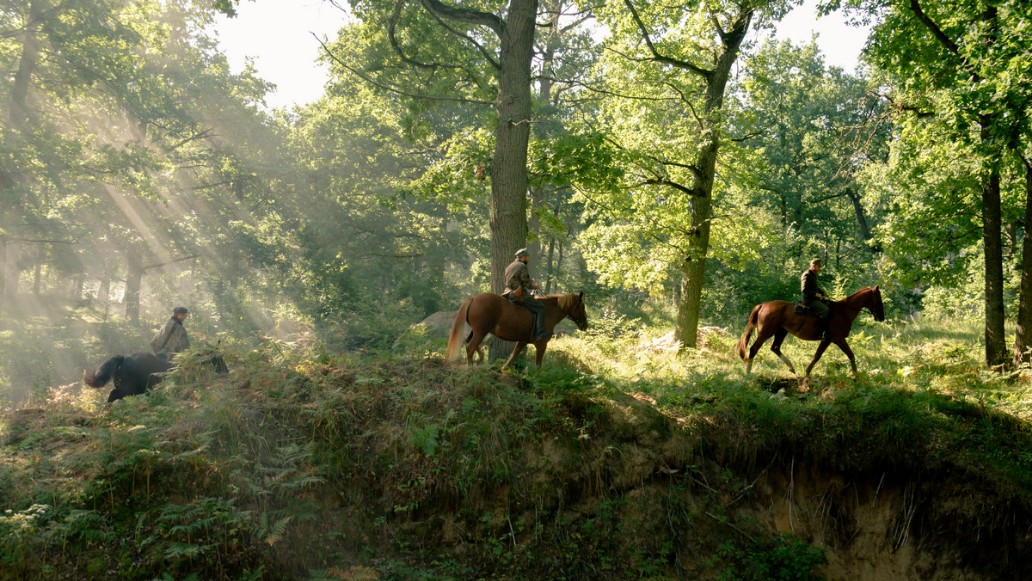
x=572, y=305
x=874, y=304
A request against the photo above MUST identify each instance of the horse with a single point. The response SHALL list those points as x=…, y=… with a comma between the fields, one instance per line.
x=490, y=313
x=136, y=373
x=778, y=319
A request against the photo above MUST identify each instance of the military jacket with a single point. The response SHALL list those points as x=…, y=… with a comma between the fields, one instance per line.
x=170, y=338
x=518, y=275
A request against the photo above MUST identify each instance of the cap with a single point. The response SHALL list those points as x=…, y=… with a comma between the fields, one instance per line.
x=522, y=252
x=817, y=262
x=180, y=311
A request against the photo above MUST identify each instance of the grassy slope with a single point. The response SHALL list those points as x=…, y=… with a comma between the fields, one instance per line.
x=617, y=459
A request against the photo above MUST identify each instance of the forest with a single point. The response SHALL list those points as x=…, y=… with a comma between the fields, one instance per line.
x=672, y=161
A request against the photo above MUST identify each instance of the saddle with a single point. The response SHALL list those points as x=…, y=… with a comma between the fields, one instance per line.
x=803, y=309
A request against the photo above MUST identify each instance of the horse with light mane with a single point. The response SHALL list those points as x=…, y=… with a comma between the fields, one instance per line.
x=488, y=313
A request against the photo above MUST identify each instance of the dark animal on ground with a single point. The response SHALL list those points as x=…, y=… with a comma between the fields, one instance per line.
x=136, y=373
x=490, y=313
x=778, y=318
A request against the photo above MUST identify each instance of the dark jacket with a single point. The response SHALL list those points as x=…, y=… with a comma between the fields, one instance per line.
x=808, y=286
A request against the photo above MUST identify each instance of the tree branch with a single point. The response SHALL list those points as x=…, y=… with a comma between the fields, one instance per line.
x=672, y=184
x=490, y=58
x=466, y=15
x=684, y=65
x=945, y=41
x=393, y=89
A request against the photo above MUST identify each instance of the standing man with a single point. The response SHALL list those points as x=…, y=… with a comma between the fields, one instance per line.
x=518, y=287
x=171, y=337
x=813, y=295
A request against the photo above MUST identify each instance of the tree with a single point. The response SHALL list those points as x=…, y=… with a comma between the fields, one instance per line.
x=952, y=65
x=812, y=128
x=124, y=126
x=422, y=39
x=670, y=70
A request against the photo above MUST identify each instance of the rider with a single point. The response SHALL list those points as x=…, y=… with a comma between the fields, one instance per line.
x=171, y=337
x=813, y=295
x=518, y=286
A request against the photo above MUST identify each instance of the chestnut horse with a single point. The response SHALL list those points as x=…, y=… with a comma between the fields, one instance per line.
x=778, y=319
x=490, y=313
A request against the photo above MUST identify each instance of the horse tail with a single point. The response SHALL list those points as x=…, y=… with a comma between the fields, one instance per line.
x=744, y=341
x=454, y=340
x=104, y=373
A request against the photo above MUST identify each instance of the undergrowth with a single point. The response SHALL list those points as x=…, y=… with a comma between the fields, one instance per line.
x=621, y=457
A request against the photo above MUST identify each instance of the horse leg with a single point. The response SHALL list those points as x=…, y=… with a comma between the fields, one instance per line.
x=515, y=353
x=539, y=349
x=816, y=357
x=779, y=338
x=761, y=337
x=849, y=353
x=473, y=346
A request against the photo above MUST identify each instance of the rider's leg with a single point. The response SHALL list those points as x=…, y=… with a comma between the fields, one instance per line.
x=822, y=310
x=538, y=309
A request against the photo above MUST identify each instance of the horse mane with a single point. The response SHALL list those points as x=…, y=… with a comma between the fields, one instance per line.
x=565, y=300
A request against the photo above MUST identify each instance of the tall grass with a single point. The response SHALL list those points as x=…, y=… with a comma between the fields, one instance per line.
x=302, y=459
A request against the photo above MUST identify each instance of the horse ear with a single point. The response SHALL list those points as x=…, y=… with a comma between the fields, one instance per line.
x=582, y=295
x=875, y=288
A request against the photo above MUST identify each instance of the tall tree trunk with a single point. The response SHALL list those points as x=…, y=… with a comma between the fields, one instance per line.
x=12, y=271
x=693, y=269
x=512, y=135
x=515, y=29
x=3, y=272
x=37, y=271
x=551, y=268
x=133, y=283
x=104, y=287
x=1024, y=327
x=693, y=266
x=17, y=118
x=861, y=220
x=995, y=340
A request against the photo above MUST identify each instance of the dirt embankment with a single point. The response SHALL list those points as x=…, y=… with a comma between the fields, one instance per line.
x=637, y=495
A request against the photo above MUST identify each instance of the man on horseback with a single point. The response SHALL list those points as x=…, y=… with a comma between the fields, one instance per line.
x=171, y=337
x=813, y=295
x=518, y=287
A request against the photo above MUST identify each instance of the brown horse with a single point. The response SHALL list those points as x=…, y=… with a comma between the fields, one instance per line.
x=490, y=313
x=778, y=319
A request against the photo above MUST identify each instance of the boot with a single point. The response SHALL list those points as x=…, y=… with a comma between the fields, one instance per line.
x=539, y=327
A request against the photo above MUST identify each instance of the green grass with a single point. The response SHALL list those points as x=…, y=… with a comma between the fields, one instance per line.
x=619, y=458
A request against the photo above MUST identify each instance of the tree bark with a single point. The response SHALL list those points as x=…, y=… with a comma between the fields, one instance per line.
x=693, y=266
x=995, y=340
x=1024, y=326
x=133, y=283
x=861, y=220
x=17, y=117
x=512, y=135
x=509, y=180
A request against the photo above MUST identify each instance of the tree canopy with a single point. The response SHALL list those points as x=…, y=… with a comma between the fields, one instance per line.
x=643, y=151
